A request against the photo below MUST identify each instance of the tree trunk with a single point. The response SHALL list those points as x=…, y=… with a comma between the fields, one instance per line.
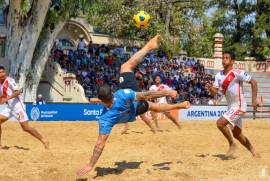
x=23, y=33
x=14, y=31
x=41, y=55
x=168, y=19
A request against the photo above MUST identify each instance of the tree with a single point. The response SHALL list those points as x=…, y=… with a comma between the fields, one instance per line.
x=173, y=19
x=261, y=30
x=32, y=28
x=245, y=25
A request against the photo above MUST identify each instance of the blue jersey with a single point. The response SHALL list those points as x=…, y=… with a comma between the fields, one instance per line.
x=123, y=110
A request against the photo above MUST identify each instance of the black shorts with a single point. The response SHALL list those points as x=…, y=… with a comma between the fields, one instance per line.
x=127, y=80
x=142, y=107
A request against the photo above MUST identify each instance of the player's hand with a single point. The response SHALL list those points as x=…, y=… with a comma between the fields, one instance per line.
x=186, y=104
x=207, y=86
x=87, y=168
x=172, y=94
x=255, y=104
x=3, y=100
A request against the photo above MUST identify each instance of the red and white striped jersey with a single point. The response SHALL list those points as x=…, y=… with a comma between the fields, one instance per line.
x=7, y=89
x=232, y=87
x=154, y=87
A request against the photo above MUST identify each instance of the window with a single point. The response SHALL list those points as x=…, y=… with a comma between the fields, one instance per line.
x=66, y=43
x=2, y=47
x=2, y=19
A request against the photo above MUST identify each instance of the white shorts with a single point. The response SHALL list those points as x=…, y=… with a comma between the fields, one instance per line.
x=18, y=111
x=234, y=116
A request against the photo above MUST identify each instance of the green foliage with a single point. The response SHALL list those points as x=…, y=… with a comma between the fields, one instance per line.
x=115, y=18
x=183, y=24
x=67, y=10
x=26, y=6
x=245, y=25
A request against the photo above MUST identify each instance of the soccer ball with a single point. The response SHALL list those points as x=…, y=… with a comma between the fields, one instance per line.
x=141, y=19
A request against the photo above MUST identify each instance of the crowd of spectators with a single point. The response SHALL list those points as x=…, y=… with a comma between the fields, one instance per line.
x=95, y=65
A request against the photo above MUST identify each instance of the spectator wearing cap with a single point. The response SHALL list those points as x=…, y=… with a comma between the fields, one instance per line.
x=40, y=100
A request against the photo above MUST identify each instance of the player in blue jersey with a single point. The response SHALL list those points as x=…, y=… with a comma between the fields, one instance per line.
x=127, y=103
x=123, y=106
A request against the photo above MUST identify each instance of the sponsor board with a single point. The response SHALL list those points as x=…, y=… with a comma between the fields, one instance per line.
x=91, y=112
x=201, y=113
x=64, y=112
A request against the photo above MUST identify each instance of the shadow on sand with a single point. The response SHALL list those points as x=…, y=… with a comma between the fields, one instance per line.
x=162, y=166
x=121, y=167
x=81, y=179
x=224, y=157
x=17, y=147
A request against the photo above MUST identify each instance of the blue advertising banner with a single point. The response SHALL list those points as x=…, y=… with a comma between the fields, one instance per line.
x=64, y=112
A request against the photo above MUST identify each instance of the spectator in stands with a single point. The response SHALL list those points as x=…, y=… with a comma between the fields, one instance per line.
x=210, y=102
x=100, y=64
x=40, y=100
x=81, y=45
x=59, y=45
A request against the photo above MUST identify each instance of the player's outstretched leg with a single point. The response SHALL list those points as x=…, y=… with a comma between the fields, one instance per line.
x=170, y=117
x=25, y=126
x=154, y=117
x=137, y=58
x=147, y=122
x=2, y=120
x=167, y=107
x=237, y=133
x=144, y=119
x=222, y=126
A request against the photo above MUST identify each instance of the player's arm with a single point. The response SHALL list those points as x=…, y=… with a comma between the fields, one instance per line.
x=155, y=94
x=16, y=93
x=213, y=90
x=246, y=77
x=100, y=144
x=152, y=89
x=95, y=100
x=254, y=89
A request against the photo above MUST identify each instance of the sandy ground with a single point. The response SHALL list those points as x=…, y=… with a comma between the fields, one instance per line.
x=193, y=153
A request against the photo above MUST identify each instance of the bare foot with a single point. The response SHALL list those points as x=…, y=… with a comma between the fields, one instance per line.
x=256, y=155
x=158, y=129
x=46, y=144
x=179, y=127
x=153, y=44
x=153, y=131
x=184, y=105
x=231, y=150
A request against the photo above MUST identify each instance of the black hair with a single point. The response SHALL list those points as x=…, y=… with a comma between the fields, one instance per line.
x=105, y=93
x=157, y=75
x=2, y=67
x=231, y=53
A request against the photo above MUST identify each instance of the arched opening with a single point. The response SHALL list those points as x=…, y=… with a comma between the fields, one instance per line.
x=72, y=32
